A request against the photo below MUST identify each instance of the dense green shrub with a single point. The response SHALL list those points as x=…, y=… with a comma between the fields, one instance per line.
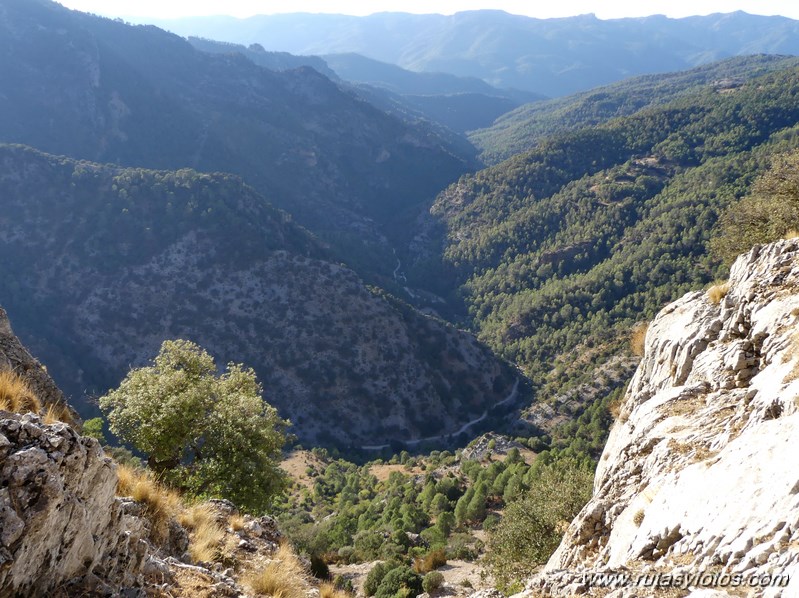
x=399, y=579
x=432, y=581
x=375, y=577
x=532, y=527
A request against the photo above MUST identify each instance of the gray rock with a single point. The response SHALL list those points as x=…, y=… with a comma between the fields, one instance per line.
x=712, y=467
x=60, y=519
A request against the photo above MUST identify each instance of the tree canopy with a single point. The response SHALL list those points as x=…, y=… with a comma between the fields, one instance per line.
x=210, y=434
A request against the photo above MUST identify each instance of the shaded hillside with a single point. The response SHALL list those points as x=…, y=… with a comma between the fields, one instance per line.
x=102, y=90
x=100, y=264
x=560, y=250
x=459, y=103
x=549, y=56
x=274, y=61
x=520, y=130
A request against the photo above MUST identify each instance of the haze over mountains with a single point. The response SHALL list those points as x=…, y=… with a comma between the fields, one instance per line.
x=552, y=57
x=386, y=217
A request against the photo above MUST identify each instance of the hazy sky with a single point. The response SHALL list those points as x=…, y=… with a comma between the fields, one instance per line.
x=535, y=8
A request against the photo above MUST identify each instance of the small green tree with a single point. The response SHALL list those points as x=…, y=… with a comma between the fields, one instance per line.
x=767, y=213
x=211, y=435
x=532, y=526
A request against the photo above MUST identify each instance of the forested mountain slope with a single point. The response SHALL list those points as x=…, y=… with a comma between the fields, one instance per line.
x=520, y=130
x=102, y=90
x=100, y=264
x=560, y=250
x=552, y=57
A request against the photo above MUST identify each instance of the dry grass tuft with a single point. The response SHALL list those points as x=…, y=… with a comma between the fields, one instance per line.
x=717, y=292
x=792, y=234
x=283, y=577
x=15, y=394
x=56, y=414
x=430, y=562
x=638, y=339
x=236, y=522
x=328, y=590
x=638, y=518
x=161, y=504
x=792, y=352
x=207, y=542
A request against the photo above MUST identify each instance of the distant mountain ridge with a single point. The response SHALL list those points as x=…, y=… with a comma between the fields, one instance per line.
x=520, y=130
x=105, y=91
x=553, y=57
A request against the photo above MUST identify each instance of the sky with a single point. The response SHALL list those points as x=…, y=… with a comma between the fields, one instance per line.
x=606, y=9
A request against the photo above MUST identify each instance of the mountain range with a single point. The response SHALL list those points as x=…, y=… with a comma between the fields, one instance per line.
x=101, y=90
x=341, y=243
x=553, y=57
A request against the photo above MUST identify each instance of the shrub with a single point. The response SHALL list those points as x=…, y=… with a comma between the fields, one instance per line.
x=460, y=547
x=768, y=213
x=15, y=394
x=375, y=576
x=319, y=568
x=432, y=581
x=432, y=560
x=94, y=429
x=398, y=579
x=532, y=526
x=343, y=583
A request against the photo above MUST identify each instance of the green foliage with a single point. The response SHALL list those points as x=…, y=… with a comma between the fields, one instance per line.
x=93, y=428
x=401, y=578
x=533, y=526
x=559, y=251
x=522, y=129
x=768, y=213
x=375, y=577
x=212, y=435
x=432, y=581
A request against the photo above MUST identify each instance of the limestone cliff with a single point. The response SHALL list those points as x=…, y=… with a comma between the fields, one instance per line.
x=14, y=356
x=700, y=477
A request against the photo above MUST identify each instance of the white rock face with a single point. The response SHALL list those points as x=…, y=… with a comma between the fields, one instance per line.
x=701, y=474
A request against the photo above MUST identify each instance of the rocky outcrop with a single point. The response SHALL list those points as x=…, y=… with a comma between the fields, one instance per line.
x=699, y=480
x=61, y=525
x=14, y=356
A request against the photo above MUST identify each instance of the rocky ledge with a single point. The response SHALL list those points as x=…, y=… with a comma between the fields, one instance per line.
x=697, y=490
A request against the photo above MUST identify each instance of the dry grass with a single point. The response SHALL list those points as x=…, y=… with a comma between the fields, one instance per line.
x=58, y=413
x=430, y=562
x=792, y=352
x=638, y=339
x=15, y=394
x=638, y=518
x=717, y=292
x=792, y=234
x=328, y=590
x=161, y=504
x=236, y=522
x=207, y=539
x=283, y=577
